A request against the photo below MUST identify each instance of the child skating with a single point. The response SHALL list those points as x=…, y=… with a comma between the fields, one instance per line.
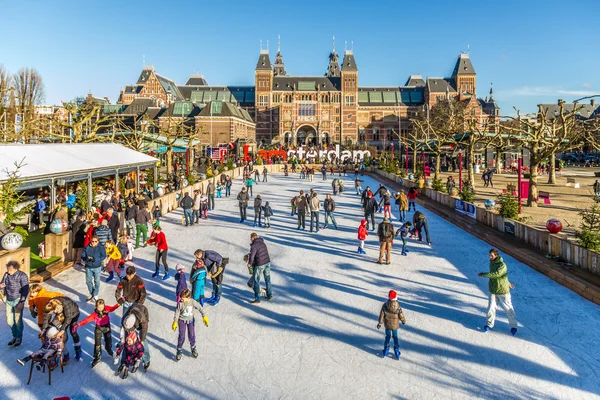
x=390, y=316
x=219, y=190
x=113, y=260
x=362, y=235
x=403, y=232
x=181, y=282
x=185, y=319
x=198, y=278
x=133, y=351
x=102, y=319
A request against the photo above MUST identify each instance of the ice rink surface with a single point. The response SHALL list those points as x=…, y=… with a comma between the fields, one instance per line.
x=317, y=339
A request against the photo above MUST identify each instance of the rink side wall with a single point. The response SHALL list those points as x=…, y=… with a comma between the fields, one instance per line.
x=539, y=239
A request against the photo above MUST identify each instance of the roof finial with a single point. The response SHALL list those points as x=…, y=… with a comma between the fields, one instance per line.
x=333, y=51
x=491, y=91
x=278, y=43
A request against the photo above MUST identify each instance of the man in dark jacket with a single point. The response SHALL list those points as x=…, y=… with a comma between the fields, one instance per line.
x=420, y=223
x=329, y=207
x=380, y=191
x=385, y=233
x=93, y=256
x=15, y=286
x=243, y=202
x=215, y=267
x=210, y=192
x=113, y=223
x=130, y=290
x=301, y=206
x=187, y=203
x=260, y=262
x=130, y=213
x=129, y=186
x=370, y=206
x=136, y=319
x=228, y=185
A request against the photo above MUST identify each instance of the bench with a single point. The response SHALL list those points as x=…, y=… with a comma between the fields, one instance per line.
x=545, y=196
x=572, y=181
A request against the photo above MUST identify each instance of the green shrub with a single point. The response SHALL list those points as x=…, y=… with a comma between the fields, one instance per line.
x=588, y=235
x=230, y=164
x=22, y=231
x=191, y=178
x=509, y=206
x=221, y=168
x=81, y=201
x=438, y=185
x=10, y=196
x=259, y=161
x=467, y=194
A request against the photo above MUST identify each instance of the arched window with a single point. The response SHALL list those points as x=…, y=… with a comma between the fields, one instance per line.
x=375, y=133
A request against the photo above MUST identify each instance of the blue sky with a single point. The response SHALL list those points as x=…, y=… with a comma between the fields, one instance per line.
x=532, y=51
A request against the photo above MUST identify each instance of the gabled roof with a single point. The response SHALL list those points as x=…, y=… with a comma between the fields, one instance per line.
x=463, y=65
x=415, y=80
x=279, y=67
x=306, y=83
x=585, y=111
x=439, y=85
x=132, y=89
x=181, y=109
x=196, y=79
x=145, y=74
x=333, y=69
x=169, y=86
x=349, y=64
x=390, y=96
x=139, y=106
x=264, y=62
x=224, y=109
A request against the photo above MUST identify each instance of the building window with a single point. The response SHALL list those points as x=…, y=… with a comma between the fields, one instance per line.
x=389, y=134
x=276, y=98
x=375, y=133
x=349, y=100
x=306, y=110
x=263, y=100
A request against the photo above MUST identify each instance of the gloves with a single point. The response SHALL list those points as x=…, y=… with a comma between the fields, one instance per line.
x=74, y=328
x=174, y=326
x=34, y=314
x=121, y=301
x=378, y=326
x=205, y=319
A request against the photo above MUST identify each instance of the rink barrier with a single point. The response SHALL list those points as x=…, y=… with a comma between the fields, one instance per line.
x=540, y=239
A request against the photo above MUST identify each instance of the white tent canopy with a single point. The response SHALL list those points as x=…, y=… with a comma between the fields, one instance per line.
x=45, y=164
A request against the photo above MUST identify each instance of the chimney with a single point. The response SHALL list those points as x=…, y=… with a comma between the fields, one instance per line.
x=593, y=102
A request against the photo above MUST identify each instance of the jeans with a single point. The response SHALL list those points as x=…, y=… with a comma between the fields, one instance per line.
x=257, y=215
x=217, y=285
x=314, y=216
x=161, y=255
x=125, y=306
x=389, y=333
x=243, y=212
x=266, y=271
x=195, y=216
x=402, y=215
x=506, y=304
x=141, y=230
x=227, y=191
x=211, y=201
x=264, y=177
x=92, y=280
x=188, y=213
x=422, y=224
x=403, y=244
x=329, y=214
x=372, y=220
x=14, y=318
x=188, y=326
x=301, y=219
x=411, y=203
x=249, y=189
x=130, y=225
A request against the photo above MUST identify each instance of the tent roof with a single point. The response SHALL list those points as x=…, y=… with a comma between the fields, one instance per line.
x=71, y=162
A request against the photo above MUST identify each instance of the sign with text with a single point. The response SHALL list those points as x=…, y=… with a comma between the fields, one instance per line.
x=509, y=227
x=465, y=208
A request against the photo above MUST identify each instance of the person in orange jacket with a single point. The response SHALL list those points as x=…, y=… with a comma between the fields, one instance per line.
x=38, y=298
x=159, y=240
x=362, y=235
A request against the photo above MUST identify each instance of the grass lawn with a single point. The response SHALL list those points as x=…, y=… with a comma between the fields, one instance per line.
x=32, y=241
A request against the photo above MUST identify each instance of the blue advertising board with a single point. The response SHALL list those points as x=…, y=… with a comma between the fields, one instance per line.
x=465, y=208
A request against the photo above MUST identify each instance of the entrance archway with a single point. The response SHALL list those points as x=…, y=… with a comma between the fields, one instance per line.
x=306, y=135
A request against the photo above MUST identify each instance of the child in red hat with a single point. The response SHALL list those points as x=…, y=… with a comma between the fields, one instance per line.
x=390, y=316
x=362, y=235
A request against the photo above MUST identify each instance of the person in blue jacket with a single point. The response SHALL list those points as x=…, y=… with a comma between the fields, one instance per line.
x=93, y=256
x=198, y=278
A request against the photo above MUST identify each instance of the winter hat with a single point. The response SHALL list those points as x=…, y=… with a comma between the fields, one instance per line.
x=392, y=295
x=129, y=322
x=133, y=336
x=51, y=332
x=364, y=222
x=370, y=194
x=180, y=267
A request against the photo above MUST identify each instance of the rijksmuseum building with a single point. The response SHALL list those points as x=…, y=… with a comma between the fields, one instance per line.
x=305, y=110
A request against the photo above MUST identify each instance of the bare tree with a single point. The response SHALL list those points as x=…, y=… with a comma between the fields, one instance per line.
x=546, y=137
x=172, y=129
x=86, y=120
x=133, y=130
x=29, y=91
x=5, y=82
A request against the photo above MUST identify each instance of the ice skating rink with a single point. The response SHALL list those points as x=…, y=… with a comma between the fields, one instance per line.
x=317, y=339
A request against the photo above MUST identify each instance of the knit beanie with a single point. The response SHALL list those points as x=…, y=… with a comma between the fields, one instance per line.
x=392, y=295
x=180, y=267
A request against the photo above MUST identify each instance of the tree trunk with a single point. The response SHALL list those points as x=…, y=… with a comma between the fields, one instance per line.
x=552, y=170
x=438, y=159
x=169, y=160
x=414, y=166
x=470, y=161
x=533, y=179
x=498, y=161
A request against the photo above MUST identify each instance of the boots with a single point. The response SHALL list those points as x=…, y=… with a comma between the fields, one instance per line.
x=111, y=276
x=211, y=298
x=215, y=301
x=178, y=355
x=95, y=361
x=24, y=361
x=78, y=354
x=194, y=352
x=385, y=351
x=397, y=352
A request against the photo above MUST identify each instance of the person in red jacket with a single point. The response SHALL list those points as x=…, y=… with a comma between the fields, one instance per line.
x=100, y=316
x=362, y=235
x=412, y=196
x=159, y=239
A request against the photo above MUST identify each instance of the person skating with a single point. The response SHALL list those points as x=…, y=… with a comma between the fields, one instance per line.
x=265, y=172
x=335, y=186
x=268, y=213
x=499, y=287
x=412, y=196
x=293, y=205
x=301, y=206
x=15, y=285
x=184, y=319
x=219, y=190
x=135, y=320
x=387, y=205
x=365, y=196
x=285, y=170
x=324, y=172
x=141, y=226
x=113, y=261
x=210, y=193
x=402, y=203
x=357, y=185
x=181, y=281
x=256, y=175
x=420, y=222
x=249, y=183
x=130, y=290
x=403, y=232
x=385, y=233
x=132, y=351
x=198, y=277
x=258, y=210
x=228, y=184
x=215, y=266
x=103, y=232
x=38, y=298
x=260, y=262
x=102, y=319
x=187, y=203
x=93, y=256
x=52, y=346
x=159, y=240
x=362, y=236
x=242, y=198
x=315, y=207
x=329, y=207
x=370, y=207
x=70, y=312
x=380, y=191
x=390, y=317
